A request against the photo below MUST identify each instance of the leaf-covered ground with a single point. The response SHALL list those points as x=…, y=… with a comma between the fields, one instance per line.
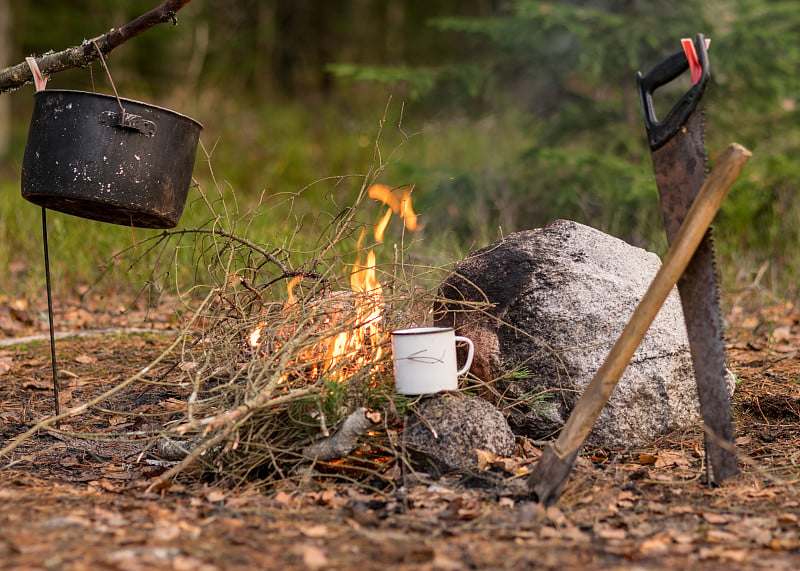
x=70, y=503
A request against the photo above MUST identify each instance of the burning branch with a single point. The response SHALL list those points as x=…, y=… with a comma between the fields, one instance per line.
x=346, y=438
x=84, y=54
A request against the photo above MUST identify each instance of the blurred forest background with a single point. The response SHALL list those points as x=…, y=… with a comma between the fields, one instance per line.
x=508, y=114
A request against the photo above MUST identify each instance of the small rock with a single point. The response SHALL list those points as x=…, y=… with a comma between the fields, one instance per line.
x=444, y=431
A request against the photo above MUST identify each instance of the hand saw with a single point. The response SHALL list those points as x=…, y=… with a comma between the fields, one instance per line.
x=679, y=161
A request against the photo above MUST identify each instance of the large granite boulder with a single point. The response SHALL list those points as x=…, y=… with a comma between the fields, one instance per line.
x=554, y=302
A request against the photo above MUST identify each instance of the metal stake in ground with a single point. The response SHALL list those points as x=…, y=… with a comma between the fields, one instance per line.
x=552, y=471
x=50, y=314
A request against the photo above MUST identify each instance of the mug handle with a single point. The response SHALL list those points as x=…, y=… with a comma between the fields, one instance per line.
x=470, y=354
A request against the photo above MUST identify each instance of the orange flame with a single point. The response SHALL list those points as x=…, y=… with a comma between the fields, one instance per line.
x=290, y=298
x=343, y=353
x=406, y=212
x=254, y=339
x=363, y=278
x=381, y=227
x=384, y=194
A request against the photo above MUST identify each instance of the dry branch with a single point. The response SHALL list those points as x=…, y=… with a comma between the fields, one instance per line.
x=345, y=440
x=84, y=54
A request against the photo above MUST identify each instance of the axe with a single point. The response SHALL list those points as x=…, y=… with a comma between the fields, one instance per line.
x=552, y=470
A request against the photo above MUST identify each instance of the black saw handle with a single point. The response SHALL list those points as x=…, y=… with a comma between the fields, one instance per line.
x=659, y=132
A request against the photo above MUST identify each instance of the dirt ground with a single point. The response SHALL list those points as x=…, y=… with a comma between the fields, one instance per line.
x=69, y=503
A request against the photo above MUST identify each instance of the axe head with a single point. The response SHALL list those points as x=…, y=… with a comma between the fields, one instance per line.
x=550, y=474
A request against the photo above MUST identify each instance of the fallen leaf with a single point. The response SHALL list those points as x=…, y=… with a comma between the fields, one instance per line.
x=608, y=532
x=188, y=563
x=721, y=536
x=717, y=518
x=327, y=497
x=38, y=384
x=667, y=458
x=648, y=458
x=166, y=532
x=192, y=530
x=313, y=557
x=657, y=544
x=214, y=495
x=85, y=359
x=485, y=458
x=173, y=404
x=442, y=562
x=718, y=552
x=523, y=470
x=283, y=498
x=315, y=531
x=555, y=515
x=784, y=543
x=780, y=334
x=5, y=364
x=506, y=502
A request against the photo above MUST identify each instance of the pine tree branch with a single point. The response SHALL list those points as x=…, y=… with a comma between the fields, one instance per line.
x=84, y=54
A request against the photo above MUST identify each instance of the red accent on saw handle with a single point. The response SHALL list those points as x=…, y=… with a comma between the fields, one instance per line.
x=695, y=66
x=659, y=132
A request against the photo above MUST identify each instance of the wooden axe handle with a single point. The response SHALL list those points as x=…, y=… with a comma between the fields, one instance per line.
x=691, y=232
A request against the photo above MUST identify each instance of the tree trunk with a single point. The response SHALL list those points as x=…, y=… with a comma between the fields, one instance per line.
x=5, y=59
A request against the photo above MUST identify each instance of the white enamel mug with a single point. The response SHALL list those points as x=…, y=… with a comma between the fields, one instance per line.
x=425, y=360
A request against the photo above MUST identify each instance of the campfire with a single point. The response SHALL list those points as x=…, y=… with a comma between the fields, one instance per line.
x=312, y=365
x=362, y=343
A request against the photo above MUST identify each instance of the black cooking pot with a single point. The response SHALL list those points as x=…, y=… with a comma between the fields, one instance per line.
x=86, y=157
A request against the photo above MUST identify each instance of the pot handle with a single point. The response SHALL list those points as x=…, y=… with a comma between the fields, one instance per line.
x=129, y=121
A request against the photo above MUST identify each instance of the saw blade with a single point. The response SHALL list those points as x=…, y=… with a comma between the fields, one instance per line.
x=680, y=169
